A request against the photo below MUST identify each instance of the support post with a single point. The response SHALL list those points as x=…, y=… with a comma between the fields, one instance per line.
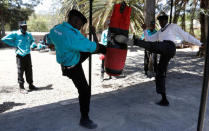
x=204, y=95
x=171, y=12
x=90, y=38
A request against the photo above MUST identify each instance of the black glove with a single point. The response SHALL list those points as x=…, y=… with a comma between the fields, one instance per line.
x=100, y=49
x=135, y=37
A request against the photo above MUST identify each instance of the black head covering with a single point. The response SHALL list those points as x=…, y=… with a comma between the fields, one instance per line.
x=77, y=13
x=162, y=16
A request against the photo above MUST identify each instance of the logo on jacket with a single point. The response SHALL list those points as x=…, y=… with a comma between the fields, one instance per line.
x=57, y=32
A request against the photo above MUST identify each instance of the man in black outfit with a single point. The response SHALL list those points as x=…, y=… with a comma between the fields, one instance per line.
x=162, y=42
x=166, y=49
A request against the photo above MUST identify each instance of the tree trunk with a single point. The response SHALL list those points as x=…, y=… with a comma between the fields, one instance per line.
x=204, y=4
x=149, y=12
x=2, y=29
x=202, y=28
x=178, y=4
x=3, y=12
x=191, y=30
x=203, y=20
x=183, y=25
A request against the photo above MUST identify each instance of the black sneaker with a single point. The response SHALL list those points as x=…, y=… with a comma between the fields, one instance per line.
x=146, y=73
x=163, y=102
x=32, y=87
x=87, y=123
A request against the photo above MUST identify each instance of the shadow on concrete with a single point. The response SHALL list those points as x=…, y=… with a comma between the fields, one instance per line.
x=9, y=105
x=128, y=109
x=183, y=60
x=9, y=89
x=48, y=87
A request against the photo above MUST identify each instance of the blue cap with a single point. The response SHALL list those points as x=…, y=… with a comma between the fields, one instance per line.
x=22, y=23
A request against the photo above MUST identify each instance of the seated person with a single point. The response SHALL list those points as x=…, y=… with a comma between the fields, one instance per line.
x=40, y=45
x=33, y=46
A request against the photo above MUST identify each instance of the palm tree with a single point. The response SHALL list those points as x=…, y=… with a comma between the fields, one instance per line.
x=102, y=11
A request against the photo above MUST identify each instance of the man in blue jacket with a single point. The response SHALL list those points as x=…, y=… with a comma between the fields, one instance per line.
x=104, y=42
x=148, y=55
x=22, y=40
x=72, y=48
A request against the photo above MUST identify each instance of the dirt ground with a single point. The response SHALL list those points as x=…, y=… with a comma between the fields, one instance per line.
x=54, y=87
x=124, y=103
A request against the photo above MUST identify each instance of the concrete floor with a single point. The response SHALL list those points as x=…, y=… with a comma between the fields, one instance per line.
x=129, y=109
x=132, y=108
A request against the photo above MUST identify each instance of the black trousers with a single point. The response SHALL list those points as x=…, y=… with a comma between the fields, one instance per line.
x=167, y=50
x=24, y=64
x=147, y=56
x=102, y=67
x=77, y=75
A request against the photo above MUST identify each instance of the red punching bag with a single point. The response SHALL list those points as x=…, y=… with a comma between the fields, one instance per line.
x=116, y=53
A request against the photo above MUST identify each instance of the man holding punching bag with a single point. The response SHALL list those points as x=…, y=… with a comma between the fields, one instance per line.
x=161, y=43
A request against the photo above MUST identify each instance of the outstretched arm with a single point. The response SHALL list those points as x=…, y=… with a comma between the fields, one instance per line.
x=186, y=36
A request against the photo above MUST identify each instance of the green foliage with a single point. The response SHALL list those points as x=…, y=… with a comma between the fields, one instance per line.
x=102, y=11
x=43, y=22
x=12, y=11
x=18, y=15
x=38, y=23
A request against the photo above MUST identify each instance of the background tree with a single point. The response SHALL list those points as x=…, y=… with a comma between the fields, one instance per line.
x=204, y=16
x=102, y=11
x=204, y=5
x=183, y=17
x=193, y=10
x=178, y=7
x=149, y=11
x=39, y=23
x=12, y=11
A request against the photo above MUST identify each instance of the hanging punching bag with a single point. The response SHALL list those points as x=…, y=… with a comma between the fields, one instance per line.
x=116, y=53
